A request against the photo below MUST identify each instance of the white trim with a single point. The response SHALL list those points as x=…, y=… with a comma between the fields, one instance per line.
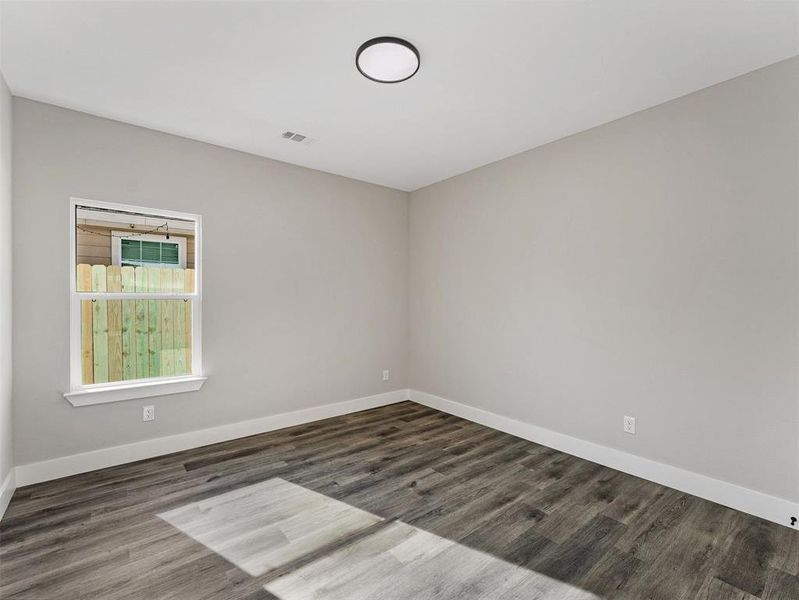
x=7, y=490
x=76, y=383
x=197, y=308
x=118, y=236
x=117, y=455
x=131, y=390
x=772, y=508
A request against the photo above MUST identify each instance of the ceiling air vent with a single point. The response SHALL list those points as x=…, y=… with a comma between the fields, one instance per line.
x=297, y=137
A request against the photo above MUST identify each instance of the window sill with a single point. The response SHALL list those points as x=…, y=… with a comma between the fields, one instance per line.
x=131, y=391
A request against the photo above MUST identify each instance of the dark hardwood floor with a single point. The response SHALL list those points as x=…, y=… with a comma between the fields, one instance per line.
x=447, y=509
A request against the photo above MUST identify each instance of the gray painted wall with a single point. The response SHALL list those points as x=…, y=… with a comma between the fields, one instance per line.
x=647, y=267
x=6, y=451
x=305, y=279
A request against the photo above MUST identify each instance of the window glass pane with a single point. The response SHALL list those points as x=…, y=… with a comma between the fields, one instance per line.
x=123, y=340
x=169, y=254
x=131, y=249
x=151, y=252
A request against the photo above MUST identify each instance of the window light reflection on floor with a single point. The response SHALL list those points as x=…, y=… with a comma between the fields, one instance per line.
x=265, y=526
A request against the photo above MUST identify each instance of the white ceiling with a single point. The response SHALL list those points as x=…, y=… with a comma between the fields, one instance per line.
x=497, y=77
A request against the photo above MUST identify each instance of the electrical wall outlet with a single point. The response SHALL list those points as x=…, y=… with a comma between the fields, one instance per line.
x=148, y=413
x=629, y=425
x=386, y=375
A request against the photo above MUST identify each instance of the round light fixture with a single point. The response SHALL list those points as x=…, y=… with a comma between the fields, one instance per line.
x=387, y=59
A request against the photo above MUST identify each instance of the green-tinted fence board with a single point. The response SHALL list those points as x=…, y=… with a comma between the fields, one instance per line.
x=84, y=284
x=167, y=327
x=179, y=316
x=114, y=284
x=128, y=325
x=142, y=327
x=100, y=326
x=189, y=288
x=154, y=323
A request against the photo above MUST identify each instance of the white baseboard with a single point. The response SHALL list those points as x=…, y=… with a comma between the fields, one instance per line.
x=7, y=490
x=772, y=508
x=117, y=455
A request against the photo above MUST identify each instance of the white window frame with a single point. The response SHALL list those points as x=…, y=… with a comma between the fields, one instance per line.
x=116, y=245
x=99, y=393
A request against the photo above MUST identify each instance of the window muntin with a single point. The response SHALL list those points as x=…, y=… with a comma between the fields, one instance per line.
x=135, y=303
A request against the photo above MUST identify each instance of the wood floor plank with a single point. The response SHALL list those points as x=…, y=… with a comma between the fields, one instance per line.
x=716, y=589
x=745, y=562
x=781, y=586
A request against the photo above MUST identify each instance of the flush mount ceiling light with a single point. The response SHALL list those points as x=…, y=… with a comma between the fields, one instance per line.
x=387, y=59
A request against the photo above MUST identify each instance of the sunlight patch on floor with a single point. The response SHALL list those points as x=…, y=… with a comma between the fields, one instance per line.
x=264, y=526
x=401, y=562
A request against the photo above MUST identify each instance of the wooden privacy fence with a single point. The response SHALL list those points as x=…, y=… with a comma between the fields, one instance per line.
x=134, y=339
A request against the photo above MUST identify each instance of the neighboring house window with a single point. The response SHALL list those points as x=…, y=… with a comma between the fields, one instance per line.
x=148, y=250
x=136, y=302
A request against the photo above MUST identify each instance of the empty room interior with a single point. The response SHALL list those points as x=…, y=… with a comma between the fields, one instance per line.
x=399, y=300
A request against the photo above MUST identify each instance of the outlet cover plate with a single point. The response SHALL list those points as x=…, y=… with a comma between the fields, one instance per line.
x=629, y=425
